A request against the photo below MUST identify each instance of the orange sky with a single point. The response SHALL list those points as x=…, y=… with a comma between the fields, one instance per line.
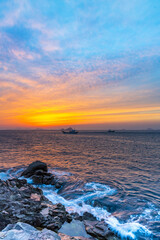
x=110, y=106
x=66, y=64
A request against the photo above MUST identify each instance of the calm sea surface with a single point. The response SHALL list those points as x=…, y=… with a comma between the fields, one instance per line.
x=115, y=176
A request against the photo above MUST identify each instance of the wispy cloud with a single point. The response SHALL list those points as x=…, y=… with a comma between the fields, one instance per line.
x=90, y=60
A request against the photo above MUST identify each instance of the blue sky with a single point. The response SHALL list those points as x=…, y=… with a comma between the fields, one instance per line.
x=103, y=54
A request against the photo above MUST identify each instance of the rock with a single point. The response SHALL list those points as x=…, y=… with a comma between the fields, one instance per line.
x=33, y=167
x=28, y=204
x=99, y=230
x=66, y=237
x=54, y=226
x=38, y=172
x=48, y=179
x=113, y=238
x=76, y=216
x=58, y=184
x=23, y=231
x=75, y=228
x=35, y=196
x=37, y=179
x=4, y=221
x=45, y=234
x=69, y=218
x=88, y=216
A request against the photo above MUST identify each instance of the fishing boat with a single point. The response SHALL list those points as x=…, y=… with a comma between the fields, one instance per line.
x=111, y=131
x=69, y=131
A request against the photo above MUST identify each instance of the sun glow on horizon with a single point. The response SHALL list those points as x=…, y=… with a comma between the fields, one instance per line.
x=76, y=63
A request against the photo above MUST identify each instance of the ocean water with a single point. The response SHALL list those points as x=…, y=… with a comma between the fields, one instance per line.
x=114, y=176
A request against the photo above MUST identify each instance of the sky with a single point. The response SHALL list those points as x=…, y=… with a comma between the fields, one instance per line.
x=89, y=64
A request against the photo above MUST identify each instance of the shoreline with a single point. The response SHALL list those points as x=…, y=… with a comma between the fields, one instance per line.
x=27, y=204
x=54, y=188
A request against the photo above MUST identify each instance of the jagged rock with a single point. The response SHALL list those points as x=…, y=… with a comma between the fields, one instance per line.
x=88, y=216
x=48, y=179
x=33, y=167
x=37, y=179
x=76, y=216
x=20, y=201
x=38, y=172
x=99, y=230
x=69, y=218
x=23, y=231
x=4, y=221
x=45, y=234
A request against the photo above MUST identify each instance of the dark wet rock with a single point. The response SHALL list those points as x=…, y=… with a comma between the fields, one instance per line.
x=37, y=171
x=58, y=184
x=69, y=218
x=76, y=216
x=85, y=216
x=25, y=231
x=88, y=216
x=99, y=230
x=4, y=221
x=37, y=179
x=33, y=167
x=113, y=238
x=48, y=179
x=20, y=201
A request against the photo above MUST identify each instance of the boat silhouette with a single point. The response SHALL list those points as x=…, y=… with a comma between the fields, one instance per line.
x=111, y=131
x=69, y=131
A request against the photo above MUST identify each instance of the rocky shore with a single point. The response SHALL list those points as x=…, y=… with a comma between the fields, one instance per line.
x=27, y=214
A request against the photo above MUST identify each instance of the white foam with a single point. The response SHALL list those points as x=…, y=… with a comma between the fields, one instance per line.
x=10, y=173
x=60, y=173
x=4, y=176
x=97, y=186
x=127, y=230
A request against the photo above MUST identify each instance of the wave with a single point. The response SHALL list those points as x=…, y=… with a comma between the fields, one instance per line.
x=91, y=190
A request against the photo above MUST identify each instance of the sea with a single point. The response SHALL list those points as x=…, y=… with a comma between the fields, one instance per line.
x=113, y=175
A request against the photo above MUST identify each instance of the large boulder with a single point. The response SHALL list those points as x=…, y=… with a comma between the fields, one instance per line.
x=33, y=167
x=39, y=174
x=99, y=230
x=23, y=231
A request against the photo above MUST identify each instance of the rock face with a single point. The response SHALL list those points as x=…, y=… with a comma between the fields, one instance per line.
x=20, y=201
x=23, y=231
x=33, y=167
x=38, y=171
x=98, y=229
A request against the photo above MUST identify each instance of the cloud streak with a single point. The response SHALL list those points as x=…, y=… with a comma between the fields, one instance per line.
x=92, y=61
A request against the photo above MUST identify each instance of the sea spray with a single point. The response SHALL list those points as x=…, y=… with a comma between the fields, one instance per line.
x=91, y=190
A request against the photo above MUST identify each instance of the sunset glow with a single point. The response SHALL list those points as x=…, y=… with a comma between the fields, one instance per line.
x=85, y=64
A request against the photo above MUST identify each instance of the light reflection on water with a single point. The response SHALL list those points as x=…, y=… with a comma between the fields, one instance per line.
x=128, y=162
